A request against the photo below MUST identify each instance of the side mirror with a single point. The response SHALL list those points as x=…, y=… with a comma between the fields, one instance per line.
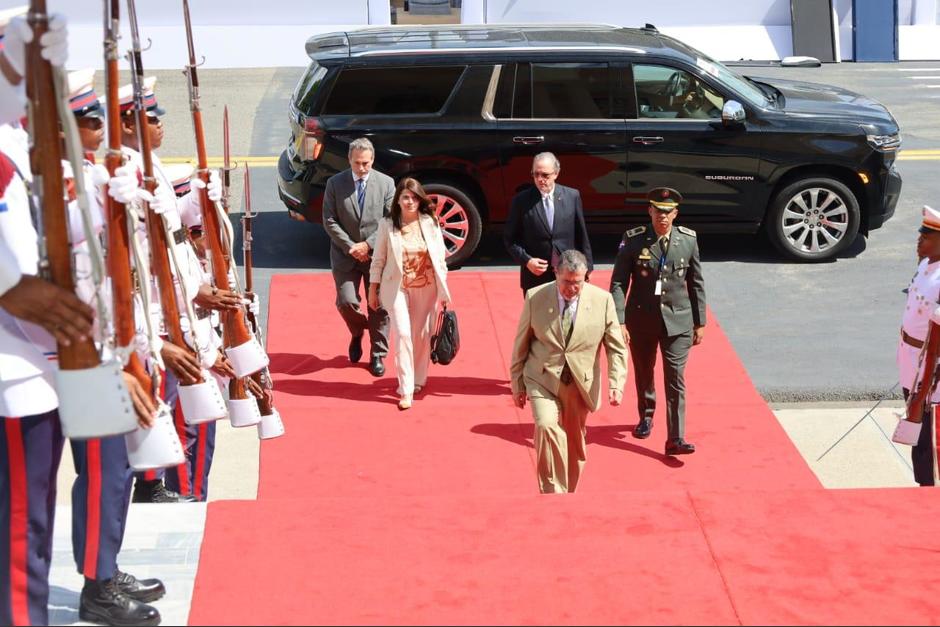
x=732, y=113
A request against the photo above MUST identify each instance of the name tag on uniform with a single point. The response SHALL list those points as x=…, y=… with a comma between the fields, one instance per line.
x=658, y=290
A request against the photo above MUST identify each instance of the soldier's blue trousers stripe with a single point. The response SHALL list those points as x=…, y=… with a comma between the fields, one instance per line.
x=30, y=451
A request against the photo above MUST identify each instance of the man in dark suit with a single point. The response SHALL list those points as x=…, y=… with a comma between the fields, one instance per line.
x=353, y=203
x=544, y=221
x=659, y=293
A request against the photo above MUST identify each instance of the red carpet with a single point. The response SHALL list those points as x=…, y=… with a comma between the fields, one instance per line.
x=368, y=515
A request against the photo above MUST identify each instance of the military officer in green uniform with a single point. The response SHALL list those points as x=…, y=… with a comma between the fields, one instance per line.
x=659, y=293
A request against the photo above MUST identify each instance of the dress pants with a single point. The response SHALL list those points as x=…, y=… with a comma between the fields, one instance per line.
x=192, y=476
x=357, y=316
x=923, y=454
x=30, y=451
x=412, y=319
x=559, y=436
x=100, y=498
x=675, y=349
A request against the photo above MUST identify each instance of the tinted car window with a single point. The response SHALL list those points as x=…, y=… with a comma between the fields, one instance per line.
x=570, y=90
x=554, y=90
x=308, y=86
x=668, y=92
x=391, y=91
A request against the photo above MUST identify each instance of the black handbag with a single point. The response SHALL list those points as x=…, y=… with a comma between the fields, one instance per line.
x=446, y=339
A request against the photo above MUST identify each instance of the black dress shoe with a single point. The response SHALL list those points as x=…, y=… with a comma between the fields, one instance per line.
x=679, y=447
x=643, y=428
x=105, y=603
x=143, y=590
x=355, y=349
x=376, y=367
x=155, y=492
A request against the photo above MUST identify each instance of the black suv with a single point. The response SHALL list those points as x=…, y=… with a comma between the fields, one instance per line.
x=465, y=108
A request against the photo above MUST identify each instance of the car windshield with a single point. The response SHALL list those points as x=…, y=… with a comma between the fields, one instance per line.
x=739, y=84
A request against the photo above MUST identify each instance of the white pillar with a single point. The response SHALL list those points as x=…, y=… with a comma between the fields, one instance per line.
x=473, y=12
x=380, y=12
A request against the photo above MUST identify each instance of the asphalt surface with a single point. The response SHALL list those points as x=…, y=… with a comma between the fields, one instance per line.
x=805, y=332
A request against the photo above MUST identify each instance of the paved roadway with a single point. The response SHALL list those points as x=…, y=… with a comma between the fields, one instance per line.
x=805, y=332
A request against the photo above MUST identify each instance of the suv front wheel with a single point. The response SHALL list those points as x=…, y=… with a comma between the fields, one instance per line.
x=813, y=219
x=459, y=219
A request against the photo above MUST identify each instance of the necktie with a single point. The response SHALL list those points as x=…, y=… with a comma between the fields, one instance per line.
x=361, y=193
x=566, y=322
x=664, y=244
x=549, y=211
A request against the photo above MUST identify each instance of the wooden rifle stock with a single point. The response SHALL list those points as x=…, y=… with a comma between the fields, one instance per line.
x=924, y=386
x=234, y=329
x=159, y=253
x=119, y=249
x=45, y=159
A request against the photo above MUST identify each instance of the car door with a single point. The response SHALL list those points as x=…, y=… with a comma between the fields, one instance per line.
x=678, y=140
x=568, y=108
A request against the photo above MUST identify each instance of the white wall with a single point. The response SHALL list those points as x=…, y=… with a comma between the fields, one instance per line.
x=266, y=33
x=228, y=33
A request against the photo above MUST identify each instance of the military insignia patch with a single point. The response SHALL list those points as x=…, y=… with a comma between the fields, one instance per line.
x=644, y=254
x=686, y=230
x=635, y=231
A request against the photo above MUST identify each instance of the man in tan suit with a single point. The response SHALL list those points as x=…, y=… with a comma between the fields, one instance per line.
x=555, y=364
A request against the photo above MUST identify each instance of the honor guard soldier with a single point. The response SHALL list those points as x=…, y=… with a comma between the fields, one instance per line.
x=659, y=293
x=923, y=297
x=103, y=476
x=192, y=477
x=181, y=364
x=149, y=486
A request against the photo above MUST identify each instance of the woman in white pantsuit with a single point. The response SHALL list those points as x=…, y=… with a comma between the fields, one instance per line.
x=408, y=278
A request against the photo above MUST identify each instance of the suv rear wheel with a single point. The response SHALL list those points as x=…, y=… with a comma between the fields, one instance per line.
x=813, y=219
x=459, y=219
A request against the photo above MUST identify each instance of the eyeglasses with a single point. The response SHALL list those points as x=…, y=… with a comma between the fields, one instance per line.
x=544, y=175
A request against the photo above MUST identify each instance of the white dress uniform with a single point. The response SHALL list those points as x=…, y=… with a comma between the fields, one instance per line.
x=27, y=351
x=923, y=299
x=183, y=250
x=923, y=296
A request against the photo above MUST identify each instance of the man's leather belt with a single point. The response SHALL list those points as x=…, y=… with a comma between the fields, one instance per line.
x=911, y=341
x=179, y=235
x=566, y=377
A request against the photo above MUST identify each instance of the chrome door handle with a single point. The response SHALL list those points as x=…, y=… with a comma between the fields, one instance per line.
x=538, y=139
x=647, y=141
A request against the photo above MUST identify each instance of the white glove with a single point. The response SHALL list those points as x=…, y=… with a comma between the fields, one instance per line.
x=123, y=186
x=214, y=189
x=98, y=175
x=253, y=304
x=160, y=202
x=54, y=42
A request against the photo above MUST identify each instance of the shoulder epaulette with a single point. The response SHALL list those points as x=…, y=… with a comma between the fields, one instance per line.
x=634, y=232
x=686, y=230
